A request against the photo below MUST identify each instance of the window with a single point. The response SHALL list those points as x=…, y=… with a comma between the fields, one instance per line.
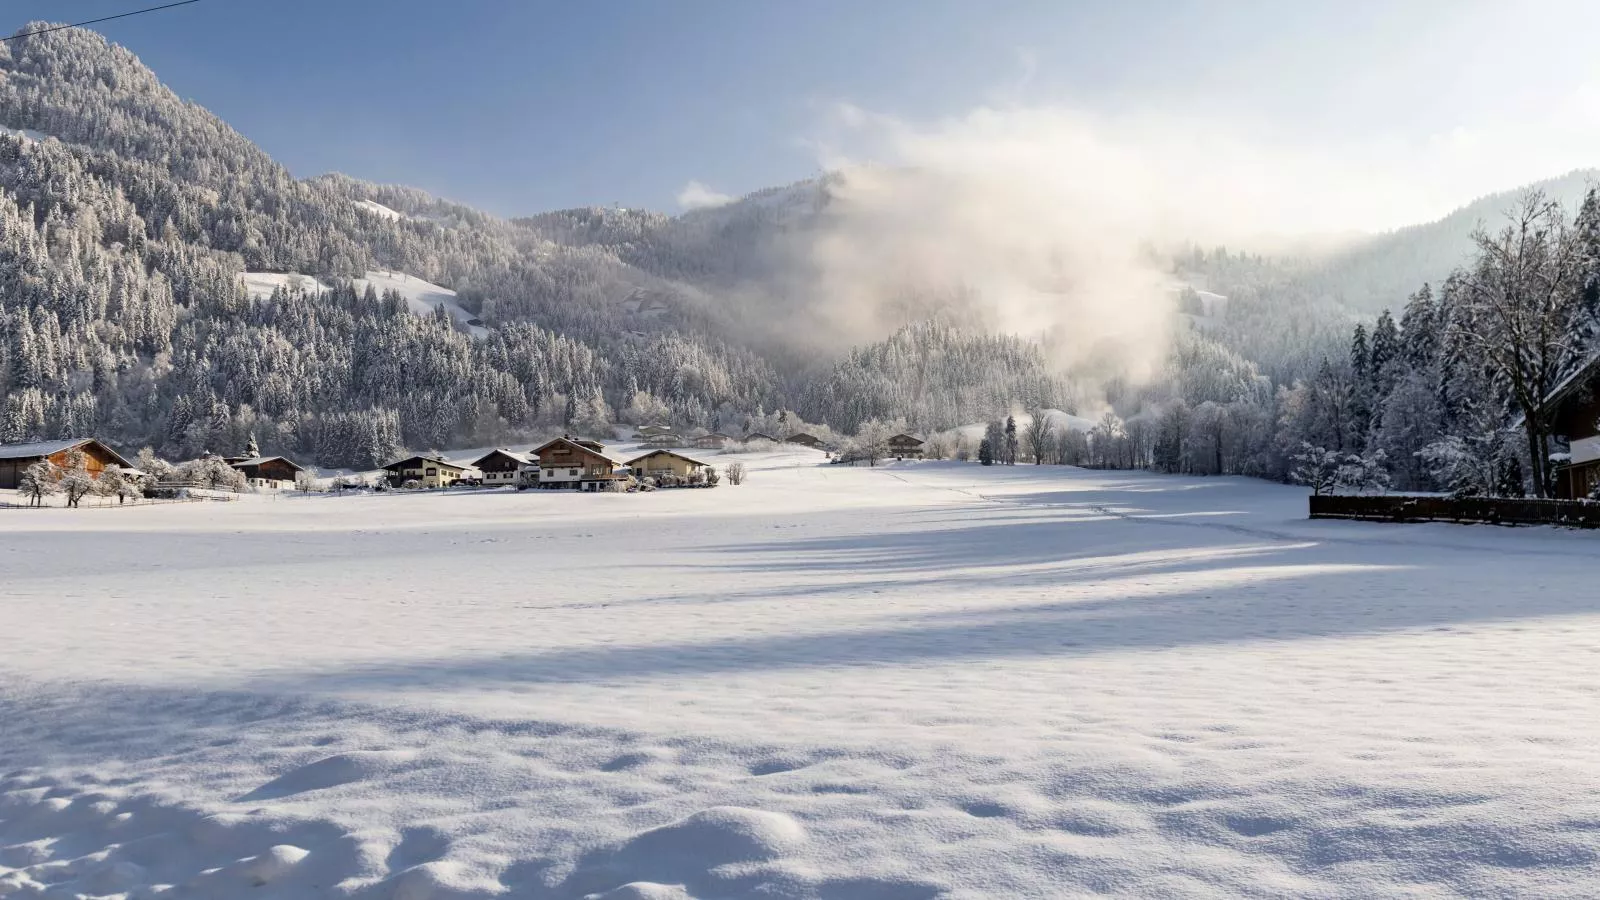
x=432, y=472
x=572, y=471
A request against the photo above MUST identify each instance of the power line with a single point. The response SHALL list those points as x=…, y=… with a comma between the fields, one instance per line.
x=137, y=12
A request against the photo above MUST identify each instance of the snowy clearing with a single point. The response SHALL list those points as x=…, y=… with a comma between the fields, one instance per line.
x=372, y=206
x=421, y=297
x=914, y=681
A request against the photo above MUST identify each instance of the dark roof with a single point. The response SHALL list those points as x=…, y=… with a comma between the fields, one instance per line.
x=759, y=436
x=1575, y=381
x=261, y=460
x=908, y=437
x=36, y=449
x=399, y=463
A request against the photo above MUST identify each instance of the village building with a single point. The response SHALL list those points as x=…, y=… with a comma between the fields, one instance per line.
x=663, y=439
x=716, y=440
x=569, y=464
x=1575, y=408
x=667, y=462
x=16, y=458
x=647, y=431
x=501, y=467
x=272, y=472
x=428, y=471
x=906, y=446
x=805, y=440
x=759, y=436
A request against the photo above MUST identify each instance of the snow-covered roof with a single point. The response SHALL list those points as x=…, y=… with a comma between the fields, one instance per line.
x=683, y=456
x=50, y=448
x=427, y=459
x=522, y=458
x=261, y=460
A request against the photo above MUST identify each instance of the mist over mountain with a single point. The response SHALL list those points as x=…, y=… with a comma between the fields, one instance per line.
x=933, y=293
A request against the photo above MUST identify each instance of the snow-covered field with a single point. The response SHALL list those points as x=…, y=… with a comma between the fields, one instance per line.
x=422, y=297
x=915, y=681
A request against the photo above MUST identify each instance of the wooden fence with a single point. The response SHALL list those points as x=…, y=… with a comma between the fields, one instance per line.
x=1487, y=510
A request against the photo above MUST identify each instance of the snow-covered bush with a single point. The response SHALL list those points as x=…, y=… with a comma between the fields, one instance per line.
x=1316, y=468
x=39, y=481
x=211, y=472
x=76, y=482
x=735, y=472
x=115, y=483
x=1467, y=467
x=411, y=484
x=1368, y=473
x=712, y=478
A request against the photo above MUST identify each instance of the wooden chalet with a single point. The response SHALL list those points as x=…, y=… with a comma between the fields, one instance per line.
x=429, y=471
x=716, y=440
x=273, y=472
x=657, y=463
x=906, y=446
x=501, y=468
x=16, y=458
x=647, y=431
x=569, y=464
x=663, y=439
x=760, y=436
x=805, y=440
x=1575, y=405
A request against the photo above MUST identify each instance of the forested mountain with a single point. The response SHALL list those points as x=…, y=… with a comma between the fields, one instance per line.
x=127, y=217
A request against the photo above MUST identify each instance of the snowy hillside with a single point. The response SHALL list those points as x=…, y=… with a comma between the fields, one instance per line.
x=909, y=681
x=1059, y=421
x=421, y=296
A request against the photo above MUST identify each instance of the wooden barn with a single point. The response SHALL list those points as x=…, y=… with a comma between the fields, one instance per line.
x=16, y=458
x=275, y=472
x=716, y=440
x=906, y=446
x=501, y=467
x=805, y=440
x=759, y=436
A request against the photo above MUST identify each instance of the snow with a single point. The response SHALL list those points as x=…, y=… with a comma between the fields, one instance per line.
x=1059, y=421
x=910, y=681
x=421, y=297
x=26, y=133
x=379, y=209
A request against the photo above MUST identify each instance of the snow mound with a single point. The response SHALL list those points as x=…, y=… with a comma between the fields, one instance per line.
x=690, y=852
x=332, y=771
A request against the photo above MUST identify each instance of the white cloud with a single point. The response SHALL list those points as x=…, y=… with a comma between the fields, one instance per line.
x=699, y=196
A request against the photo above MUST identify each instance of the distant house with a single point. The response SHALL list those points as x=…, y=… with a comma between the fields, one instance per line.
x=647, y=431
x=16, y=458
x=1575, y=405
x=906, y=446
x=666, y=462
x=663, y=439
x=716, y=440
x=569, y=464
x=429, y=471
x=275, y=472
x=805, y=440
x=500, y=468
x=759, y=436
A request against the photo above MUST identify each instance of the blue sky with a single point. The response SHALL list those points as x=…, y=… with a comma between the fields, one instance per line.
x=518, y=107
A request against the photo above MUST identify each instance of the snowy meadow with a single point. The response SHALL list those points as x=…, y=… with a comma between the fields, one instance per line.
x=911, y=681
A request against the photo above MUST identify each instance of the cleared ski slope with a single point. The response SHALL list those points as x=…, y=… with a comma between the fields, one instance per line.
x=920, y=680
